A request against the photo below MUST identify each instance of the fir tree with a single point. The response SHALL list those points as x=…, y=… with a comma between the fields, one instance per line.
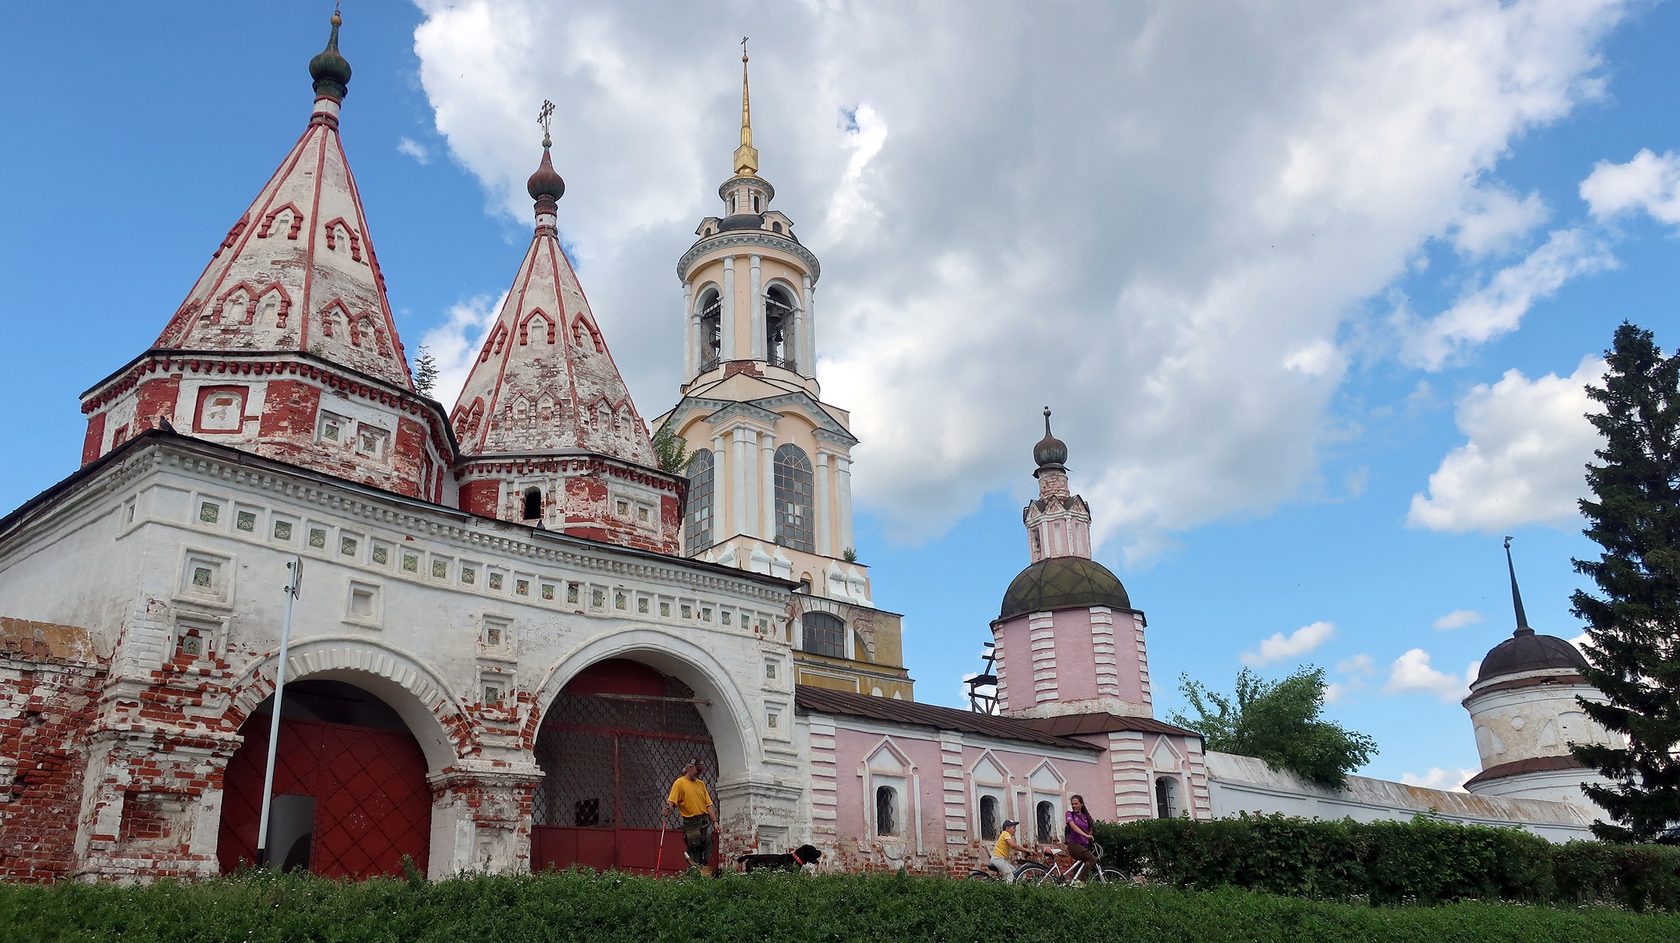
x=1633, y=621
x=425, y=371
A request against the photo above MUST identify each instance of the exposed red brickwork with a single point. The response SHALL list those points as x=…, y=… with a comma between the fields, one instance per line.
x=156, y=397
x=94, y=439
x=49, y=683
x=482, y=498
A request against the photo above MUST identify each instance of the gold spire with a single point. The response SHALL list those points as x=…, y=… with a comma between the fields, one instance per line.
x=746, y=156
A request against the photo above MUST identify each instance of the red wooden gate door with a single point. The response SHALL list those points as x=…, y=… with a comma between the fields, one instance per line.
x=609, y=747
x=361, y=793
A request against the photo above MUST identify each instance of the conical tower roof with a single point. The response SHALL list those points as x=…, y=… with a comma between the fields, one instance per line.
x=297, y=271
x=545, y=381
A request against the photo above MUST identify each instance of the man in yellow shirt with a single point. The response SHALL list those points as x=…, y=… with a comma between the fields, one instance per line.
x=1000, y=850
x=689, y=798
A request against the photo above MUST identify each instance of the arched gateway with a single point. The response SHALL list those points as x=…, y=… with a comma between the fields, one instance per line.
x=350, y=792
x=609, y=746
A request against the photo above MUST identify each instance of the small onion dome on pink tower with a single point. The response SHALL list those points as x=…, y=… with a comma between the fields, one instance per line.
x=1050, y=452
x=329, y=68
x=546, y=185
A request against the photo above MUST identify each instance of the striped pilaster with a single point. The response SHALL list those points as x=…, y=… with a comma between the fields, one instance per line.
x=1131, y=776
x=1142, y=660
x=1195, y=769
x=954, y=786
x=1102, y=651
x=824, y=804
x=1041, y=637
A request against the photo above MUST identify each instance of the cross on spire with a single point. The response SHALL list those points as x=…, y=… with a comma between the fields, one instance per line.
x=545, y=117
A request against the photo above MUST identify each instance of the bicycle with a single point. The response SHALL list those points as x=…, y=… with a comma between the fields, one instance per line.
x=1060, y=872
x=1028, y=871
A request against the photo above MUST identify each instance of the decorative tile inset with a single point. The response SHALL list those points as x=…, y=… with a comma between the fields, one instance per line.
x=209, y=513
x=381, y=554
x=411, y=563
x=440, y=569
x=495, y=581
x=522, y=587
x=246, y=521
x=347, y=546
x=283, y=530
x=318, y=538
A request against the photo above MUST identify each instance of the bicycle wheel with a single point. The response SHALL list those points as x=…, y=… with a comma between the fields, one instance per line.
x=1034, y=874
x=1109, y=876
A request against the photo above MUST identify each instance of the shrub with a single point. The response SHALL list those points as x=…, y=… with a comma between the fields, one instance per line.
x=1425, y=861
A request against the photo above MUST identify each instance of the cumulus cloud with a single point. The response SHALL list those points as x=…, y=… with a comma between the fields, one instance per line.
x=408, y=147
x=1357, y=664
x=1457, y=619
x=1412, y=672
x=1451, y=780
x=1497, y=307
x=1647, y=182
x=1495, y=219
x=1528, y=443
x=455, y=342
x=1126, y=211
x=1278, y=646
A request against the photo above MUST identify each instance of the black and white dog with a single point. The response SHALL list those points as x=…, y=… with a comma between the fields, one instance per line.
x=792, y=861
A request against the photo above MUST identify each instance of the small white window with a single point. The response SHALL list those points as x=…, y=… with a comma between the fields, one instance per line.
x=886, y=811
x=332, y=428
x=371, y=441
x=1166, y=797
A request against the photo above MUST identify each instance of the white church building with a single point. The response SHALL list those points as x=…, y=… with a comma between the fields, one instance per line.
x=514, y=626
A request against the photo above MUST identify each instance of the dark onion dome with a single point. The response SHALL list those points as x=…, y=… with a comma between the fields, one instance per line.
x=546, y=181
x=1525, y=652
x=1063, y=583
x=1049, y=450
x=329, y=69
x=741, y=221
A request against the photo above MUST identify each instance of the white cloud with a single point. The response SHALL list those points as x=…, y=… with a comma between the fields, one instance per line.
x=1496, y=308
x=1647, y=182
x=1529, y=442
x=411, y=148
x=1412, y=672
x=1495, y=219
x=1457, y=619
x=1187, y=200
x=456, y=342
x=1358, y=664
x=1278, y=646
x=1451, y=780
x=1335, y=692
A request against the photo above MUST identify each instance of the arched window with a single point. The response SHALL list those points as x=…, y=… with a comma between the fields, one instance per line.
x=1044, y=820
x=711, y=329
x=1166, y=797
x=697, y=524
x=989, y=819
x=778, y=327
x=823, y=634
x=793, y=499
x=533, y=504
x=886, y=811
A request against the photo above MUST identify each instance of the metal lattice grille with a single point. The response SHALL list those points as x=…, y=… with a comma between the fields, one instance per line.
x=610, y=759
x=793, y=482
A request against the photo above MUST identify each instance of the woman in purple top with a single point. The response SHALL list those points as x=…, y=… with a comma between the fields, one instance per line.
x=1078, y=835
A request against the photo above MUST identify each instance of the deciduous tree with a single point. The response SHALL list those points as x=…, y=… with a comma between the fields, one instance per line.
x=1279, y=722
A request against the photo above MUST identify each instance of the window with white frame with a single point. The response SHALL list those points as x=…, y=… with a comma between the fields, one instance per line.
x=1048, y=789
x=892, y=803
x=1166, y=797
x=991, y=795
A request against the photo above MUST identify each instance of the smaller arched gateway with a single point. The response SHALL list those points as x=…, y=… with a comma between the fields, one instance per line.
x=609, y=747
x=350, y=793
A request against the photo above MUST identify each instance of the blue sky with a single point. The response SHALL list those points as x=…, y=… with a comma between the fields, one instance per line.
x=1273, y=270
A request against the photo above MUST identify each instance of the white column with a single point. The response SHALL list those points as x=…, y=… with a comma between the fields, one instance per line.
x=802, y=330
x=825, y=543
x=749, y=471
x=718, y=481
x=738, y=464
x=767, y=486
x=691, y=335
x=760, y=343
x=728, y=347
x=843, y=481
x=810, y=338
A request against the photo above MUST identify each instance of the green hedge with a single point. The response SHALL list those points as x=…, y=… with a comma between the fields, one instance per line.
x=741, y=909
x=1424, y=861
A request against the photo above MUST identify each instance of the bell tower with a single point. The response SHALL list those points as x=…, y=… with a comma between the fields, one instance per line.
x=769, y=464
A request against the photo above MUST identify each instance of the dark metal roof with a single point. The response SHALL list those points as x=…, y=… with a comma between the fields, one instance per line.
x=824, y=701
x=741, y=221
x=1526, y=651
x=1073, y=725
x=1538, y=764
x=1515, y=683
x=1063, y=583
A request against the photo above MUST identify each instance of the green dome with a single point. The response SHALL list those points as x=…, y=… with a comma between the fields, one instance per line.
x=1063, y=583
x=329, y=68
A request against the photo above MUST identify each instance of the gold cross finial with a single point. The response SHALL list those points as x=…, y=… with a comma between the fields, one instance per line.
x=746, y=156
x=545, y=116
